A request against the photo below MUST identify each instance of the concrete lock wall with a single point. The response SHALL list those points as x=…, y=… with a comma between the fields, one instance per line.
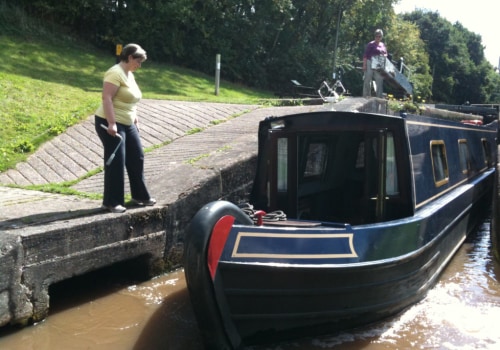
x=14, y=302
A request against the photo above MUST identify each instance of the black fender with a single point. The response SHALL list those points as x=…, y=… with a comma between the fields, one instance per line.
x=214, y=332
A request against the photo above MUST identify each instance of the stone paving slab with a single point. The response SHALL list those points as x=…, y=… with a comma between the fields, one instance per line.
x=78, y=151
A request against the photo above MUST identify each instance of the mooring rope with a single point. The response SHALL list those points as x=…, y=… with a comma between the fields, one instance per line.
x=248, y=209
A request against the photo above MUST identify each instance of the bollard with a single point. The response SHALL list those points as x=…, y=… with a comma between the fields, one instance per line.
x=217, y=74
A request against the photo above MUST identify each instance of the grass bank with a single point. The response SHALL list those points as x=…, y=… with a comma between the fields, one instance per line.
x=50, y=81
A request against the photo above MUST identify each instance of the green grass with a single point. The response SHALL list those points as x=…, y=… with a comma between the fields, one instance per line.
x=66, y=187
x=159, y=81
x=50, y=82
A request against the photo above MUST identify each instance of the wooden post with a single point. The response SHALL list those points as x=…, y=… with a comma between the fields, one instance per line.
x=217, y=74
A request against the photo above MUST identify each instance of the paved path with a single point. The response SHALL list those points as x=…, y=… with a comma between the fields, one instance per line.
x=76, y=152
x=164, y=124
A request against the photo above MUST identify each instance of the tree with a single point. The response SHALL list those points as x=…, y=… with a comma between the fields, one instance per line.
x=403, y=41
x=456, y=56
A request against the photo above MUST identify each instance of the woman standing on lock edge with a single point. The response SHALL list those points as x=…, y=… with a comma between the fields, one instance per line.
x=373, y=48
x=118, y=114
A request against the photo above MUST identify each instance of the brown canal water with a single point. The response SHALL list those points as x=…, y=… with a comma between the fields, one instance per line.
x=105, y=311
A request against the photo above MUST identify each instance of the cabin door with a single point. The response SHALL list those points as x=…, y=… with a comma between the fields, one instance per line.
x=375, y=176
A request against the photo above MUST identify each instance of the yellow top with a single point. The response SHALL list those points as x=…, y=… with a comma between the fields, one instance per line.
x=126, y=98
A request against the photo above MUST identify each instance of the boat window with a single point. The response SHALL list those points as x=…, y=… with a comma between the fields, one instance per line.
x=486, y=152
x=439, y=163
x=316, y=160
x=391, y=182
x=282, y=167
x=463, y=150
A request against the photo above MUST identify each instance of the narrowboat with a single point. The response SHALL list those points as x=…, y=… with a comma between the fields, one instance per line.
x=351, y=218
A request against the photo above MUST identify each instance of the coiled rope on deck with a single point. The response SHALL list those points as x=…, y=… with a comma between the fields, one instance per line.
x=248, y=209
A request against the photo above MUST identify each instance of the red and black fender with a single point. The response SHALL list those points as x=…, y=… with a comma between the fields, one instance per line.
x=204, y=243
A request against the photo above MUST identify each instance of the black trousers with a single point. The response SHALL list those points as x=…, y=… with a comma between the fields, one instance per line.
x=130, y=155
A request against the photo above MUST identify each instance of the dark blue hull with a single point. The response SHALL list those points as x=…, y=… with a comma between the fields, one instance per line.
x=255, y=301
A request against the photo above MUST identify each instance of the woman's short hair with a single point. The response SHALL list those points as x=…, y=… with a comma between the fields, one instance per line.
x=379, y=32
x=132, y=49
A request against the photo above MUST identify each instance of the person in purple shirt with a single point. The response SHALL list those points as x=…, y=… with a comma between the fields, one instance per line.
x=373, y=48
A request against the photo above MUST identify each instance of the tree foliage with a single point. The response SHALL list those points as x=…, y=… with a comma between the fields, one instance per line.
x=456, y=56
x=266, y=43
